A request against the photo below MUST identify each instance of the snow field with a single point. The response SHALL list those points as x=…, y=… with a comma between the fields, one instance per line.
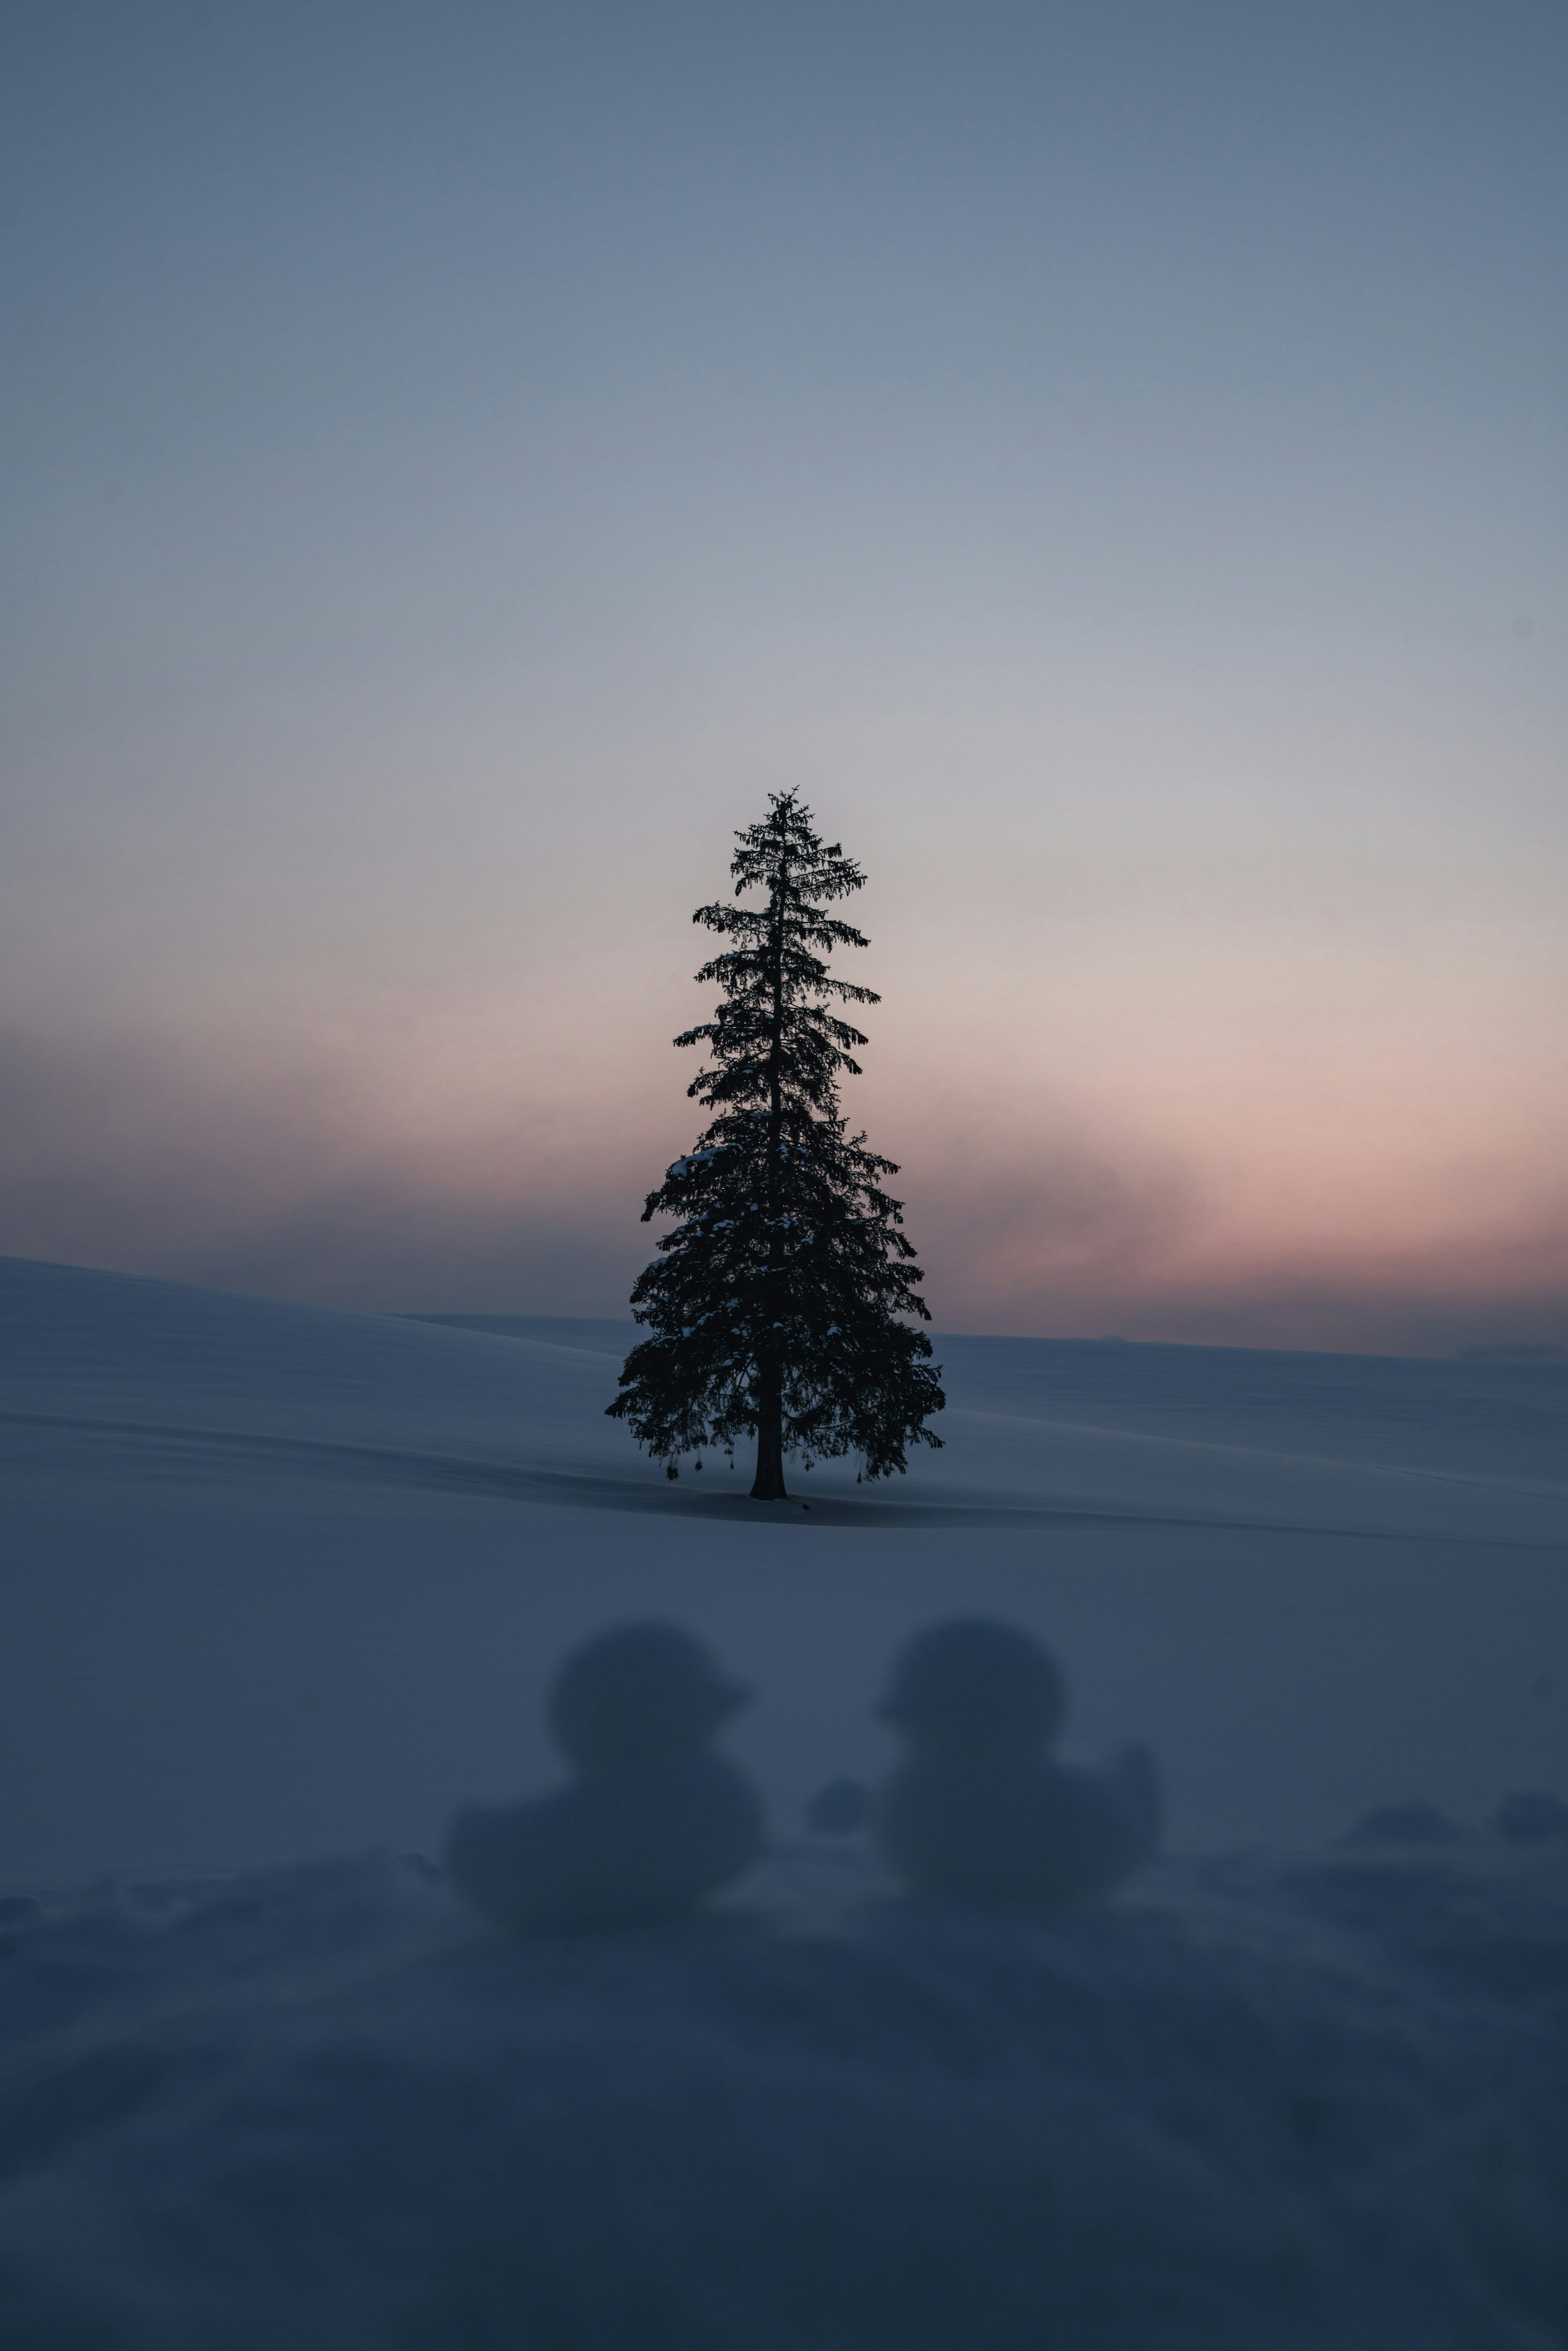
x=285, y=1583
x=1313, y=2103
x=336, y=1558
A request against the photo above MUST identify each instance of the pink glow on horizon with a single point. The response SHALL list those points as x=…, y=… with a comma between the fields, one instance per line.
x=1114, y=475
x=1381, y=1206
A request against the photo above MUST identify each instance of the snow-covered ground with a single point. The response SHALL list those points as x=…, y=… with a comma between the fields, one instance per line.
x=1260, y=2105
x=284, y=1585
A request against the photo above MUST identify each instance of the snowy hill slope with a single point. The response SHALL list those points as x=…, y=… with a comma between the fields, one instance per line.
x=1499, y=1417
x=280, y=1582
x=334, y=1556
x=1046, y=1429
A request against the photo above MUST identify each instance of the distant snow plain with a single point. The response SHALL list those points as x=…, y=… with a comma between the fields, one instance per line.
x=282, y=1586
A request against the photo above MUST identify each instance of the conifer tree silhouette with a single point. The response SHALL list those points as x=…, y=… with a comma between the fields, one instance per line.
x=775, y=1303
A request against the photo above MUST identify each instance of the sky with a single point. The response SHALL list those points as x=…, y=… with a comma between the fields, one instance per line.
x=1110, y=459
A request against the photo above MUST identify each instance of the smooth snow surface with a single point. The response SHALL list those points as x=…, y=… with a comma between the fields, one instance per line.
x=281, y=1582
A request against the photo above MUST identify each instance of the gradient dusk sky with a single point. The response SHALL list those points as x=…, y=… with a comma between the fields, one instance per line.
x=1108, y=458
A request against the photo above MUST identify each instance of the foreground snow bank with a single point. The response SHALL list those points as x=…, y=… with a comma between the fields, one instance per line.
x=1316, y=2103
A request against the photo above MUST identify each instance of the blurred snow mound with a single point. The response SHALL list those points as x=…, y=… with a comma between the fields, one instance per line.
x=1312, y=2102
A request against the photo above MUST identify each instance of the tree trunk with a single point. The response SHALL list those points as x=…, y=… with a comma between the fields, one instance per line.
x=769, y=1486
x=770, y=1481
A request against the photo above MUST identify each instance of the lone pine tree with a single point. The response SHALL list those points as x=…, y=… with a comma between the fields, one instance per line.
x=775, y=1303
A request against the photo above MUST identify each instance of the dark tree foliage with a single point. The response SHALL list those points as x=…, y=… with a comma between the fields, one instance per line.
x=775, y=1303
